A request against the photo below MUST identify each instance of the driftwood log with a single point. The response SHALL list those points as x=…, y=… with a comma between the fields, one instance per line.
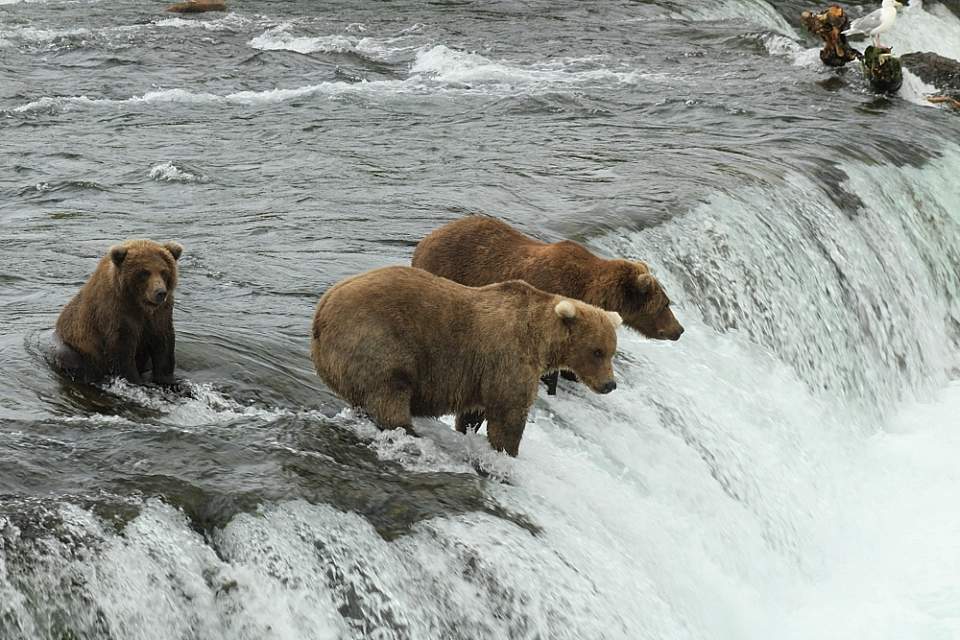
x=830, y=25
x=953, y=102
x=198, y=6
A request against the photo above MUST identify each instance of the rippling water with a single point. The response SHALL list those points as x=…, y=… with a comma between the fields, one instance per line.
x=786, y=470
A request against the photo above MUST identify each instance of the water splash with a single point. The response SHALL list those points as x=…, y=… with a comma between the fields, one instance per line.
x=173, y=172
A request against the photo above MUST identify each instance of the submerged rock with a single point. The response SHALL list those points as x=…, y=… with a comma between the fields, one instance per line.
x=198, y=6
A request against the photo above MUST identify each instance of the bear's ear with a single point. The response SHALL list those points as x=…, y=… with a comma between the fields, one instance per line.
x=118, y=253
x=566, y=310
x=642, y=267
x=646, y=284
x=174, y=248
x=615, y=318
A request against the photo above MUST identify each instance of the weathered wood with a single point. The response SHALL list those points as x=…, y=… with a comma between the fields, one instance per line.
x=198, y=6
x=953, y=102
x=829, y=25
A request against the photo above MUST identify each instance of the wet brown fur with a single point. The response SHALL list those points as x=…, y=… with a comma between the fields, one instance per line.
x=478, y=250
x=114, y=325
x=400, y=342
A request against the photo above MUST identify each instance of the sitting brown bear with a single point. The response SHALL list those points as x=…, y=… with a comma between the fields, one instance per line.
x=478, y=250
x=121, y=321
x=400, y=342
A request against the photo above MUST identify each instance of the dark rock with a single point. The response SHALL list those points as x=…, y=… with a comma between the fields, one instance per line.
x=941, y=72
x=882, y=70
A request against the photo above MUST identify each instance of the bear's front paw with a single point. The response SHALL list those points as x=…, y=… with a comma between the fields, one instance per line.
x=170, y=383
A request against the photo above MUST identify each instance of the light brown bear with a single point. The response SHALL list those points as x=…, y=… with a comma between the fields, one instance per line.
x=400, y=342
x=479, y=250
x=121, y=321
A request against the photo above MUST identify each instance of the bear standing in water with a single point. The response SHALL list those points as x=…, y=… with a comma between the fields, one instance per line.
x=121, y=321
x=401, y=342
x=477, y=250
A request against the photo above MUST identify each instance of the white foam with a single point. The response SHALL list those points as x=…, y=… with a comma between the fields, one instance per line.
x=436, y=69
x=170, y=172
x=183, y=96
x=440, y=63
x=891, y=538
x=96, y=419
x=200, y=594
x=778, y=44
x=228, y=22
x=197, y=405
x=33, y=36
x=916, y=90
x=436, y=453
x=279, y=38
x=757, y=12
x=38, y=36
x=54, y=104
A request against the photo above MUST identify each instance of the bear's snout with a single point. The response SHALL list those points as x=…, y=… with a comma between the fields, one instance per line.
x=608, y=386
x=672, y=335
x=159, y=295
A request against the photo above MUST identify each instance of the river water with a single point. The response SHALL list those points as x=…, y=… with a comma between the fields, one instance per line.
x=786, y=470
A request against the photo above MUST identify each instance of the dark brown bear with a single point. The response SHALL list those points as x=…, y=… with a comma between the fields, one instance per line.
x=478, y=250
x=121, y=321
x=400, y=342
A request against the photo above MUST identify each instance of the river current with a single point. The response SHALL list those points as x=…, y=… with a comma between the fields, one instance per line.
x=787, y=470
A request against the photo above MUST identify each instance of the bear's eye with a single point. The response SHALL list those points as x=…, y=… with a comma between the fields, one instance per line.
x=143, y=274
x=598, y=353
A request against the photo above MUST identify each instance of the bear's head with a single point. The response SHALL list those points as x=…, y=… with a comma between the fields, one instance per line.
x=640, y=299
x=590, y=343
x=146, y=271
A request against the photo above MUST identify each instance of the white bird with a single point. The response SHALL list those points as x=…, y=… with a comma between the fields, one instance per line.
x=875, y=22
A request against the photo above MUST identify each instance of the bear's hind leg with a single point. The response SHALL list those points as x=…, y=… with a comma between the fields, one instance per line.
x=469, y=420
x=391, y=413
x=163, y=361
x=392, y=409
x=69, y=361
x=143, y=359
